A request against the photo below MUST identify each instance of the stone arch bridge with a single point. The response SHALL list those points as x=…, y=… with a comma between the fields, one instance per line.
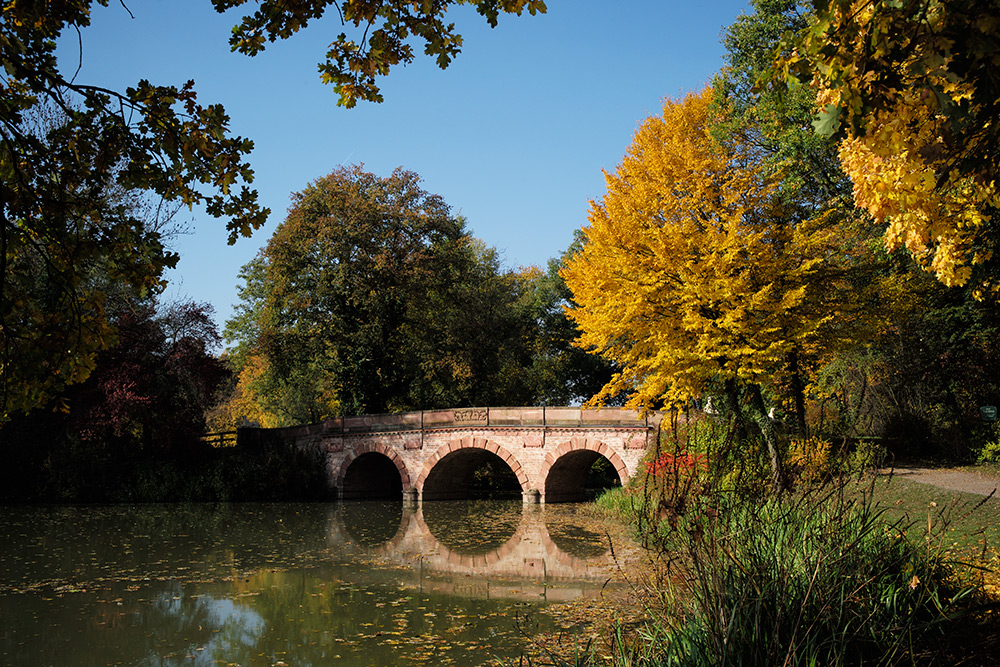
x=432, y=454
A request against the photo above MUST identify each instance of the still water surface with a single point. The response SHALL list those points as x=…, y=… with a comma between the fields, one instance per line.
x=363, y=583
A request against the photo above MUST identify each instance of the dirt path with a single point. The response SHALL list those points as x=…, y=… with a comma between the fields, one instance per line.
x=952, y=479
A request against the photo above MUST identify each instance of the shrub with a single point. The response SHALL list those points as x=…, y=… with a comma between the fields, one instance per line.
x=819, y=578
x=810, y=460
x=747, y=577
x=989, y=452
x=868, y=456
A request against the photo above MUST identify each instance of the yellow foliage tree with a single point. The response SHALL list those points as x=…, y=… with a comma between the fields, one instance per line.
x=911, y=87
x=243, y=405
x=692, y=270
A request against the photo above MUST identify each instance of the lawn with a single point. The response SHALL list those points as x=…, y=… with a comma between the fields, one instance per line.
x=966, y=526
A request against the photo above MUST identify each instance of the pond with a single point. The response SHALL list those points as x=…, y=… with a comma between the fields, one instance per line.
x=354, y=583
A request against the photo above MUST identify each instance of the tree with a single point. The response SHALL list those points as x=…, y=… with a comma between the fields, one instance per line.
x=911, y=88
x=371, y=297
x=693, y=272
x=78, y=162
x=911, y=377
x=777, y=120
x=776, y=123
x=562, y=373
x=926, y=369
x=150, y=390
x=58, y=222
x=137, y=416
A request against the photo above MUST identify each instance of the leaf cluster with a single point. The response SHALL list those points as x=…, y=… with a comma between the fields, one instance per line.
x=910, y=86
x=387, y=26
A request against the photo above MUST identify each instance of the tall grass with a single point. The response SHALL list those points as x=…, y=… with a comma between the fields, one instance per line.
x=820, y=579
x=818, y=576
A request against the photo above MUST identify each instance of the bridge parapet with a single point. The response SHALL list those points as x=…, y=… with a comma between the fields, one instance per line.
x=466, y=417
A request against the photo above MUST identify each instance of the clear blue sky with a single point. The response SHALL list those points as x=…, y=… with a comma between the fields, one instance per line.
x=514, y=134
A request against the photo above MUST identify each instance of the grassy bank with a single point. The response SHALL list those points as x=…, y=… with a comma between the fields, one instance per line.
x=963, y=526
x=875, y=571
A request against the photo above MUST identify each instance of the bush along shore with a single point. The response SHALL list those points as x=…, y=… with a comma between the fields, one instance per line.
x=816, y=574
x=118, y=473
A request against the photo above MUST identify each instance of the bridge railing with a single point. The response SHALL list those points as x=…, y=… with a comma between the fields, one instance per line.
x=538, y=417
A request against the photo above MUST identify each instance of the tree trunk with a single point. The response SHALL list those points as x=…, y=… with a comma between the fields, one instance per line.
x=778, y=481
x=736, y=413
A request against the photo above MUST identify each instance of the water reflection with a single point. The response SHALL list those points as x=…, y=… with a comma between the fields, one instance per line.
x=477, y=538
x=578, y=541
x=575, y=535
x=200, y=628
x=371, y=523
x=472, y=528
x=354, y=584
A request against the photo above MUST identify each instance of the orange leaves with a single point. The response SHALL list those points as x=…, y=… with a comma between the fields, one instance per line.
x=692, y=267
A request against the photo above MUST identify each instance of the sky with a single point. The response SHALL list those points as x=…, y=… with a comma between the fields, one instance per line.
x=514, y=135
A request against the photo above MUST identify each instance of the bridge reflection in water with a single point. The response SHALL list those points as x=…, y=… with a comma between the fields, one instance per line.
x=484, y=549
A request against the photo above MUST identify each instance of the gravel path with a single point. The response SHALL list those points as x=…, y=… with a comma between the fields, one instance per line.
x=954, y=480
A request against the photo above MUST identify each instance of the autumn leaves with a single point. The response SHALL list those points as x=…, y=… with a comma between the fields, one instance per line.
x=696, y=272
x=693, y=268
x=910, y=87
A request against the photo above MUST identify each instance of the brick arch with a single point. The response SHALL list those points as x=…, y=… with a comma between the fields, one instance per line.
x=472, y=443
x=378, y=447
x=584, y=443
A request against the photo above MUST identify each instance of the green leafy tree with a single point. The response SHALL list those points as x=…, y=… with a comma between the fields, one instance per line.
x=371, y=297
x=562, y=373
x=777, y=120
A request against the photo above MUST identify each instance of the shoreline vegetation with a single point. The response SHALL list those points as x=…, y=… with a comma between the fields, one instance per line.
x=852, y=566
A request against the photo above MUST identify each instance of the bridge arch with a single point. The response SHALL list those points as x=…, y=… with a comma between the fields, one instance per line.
x=500, y=544
x=564, y=471
x=377, y=526
x=456, y=460
x=365, y=468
